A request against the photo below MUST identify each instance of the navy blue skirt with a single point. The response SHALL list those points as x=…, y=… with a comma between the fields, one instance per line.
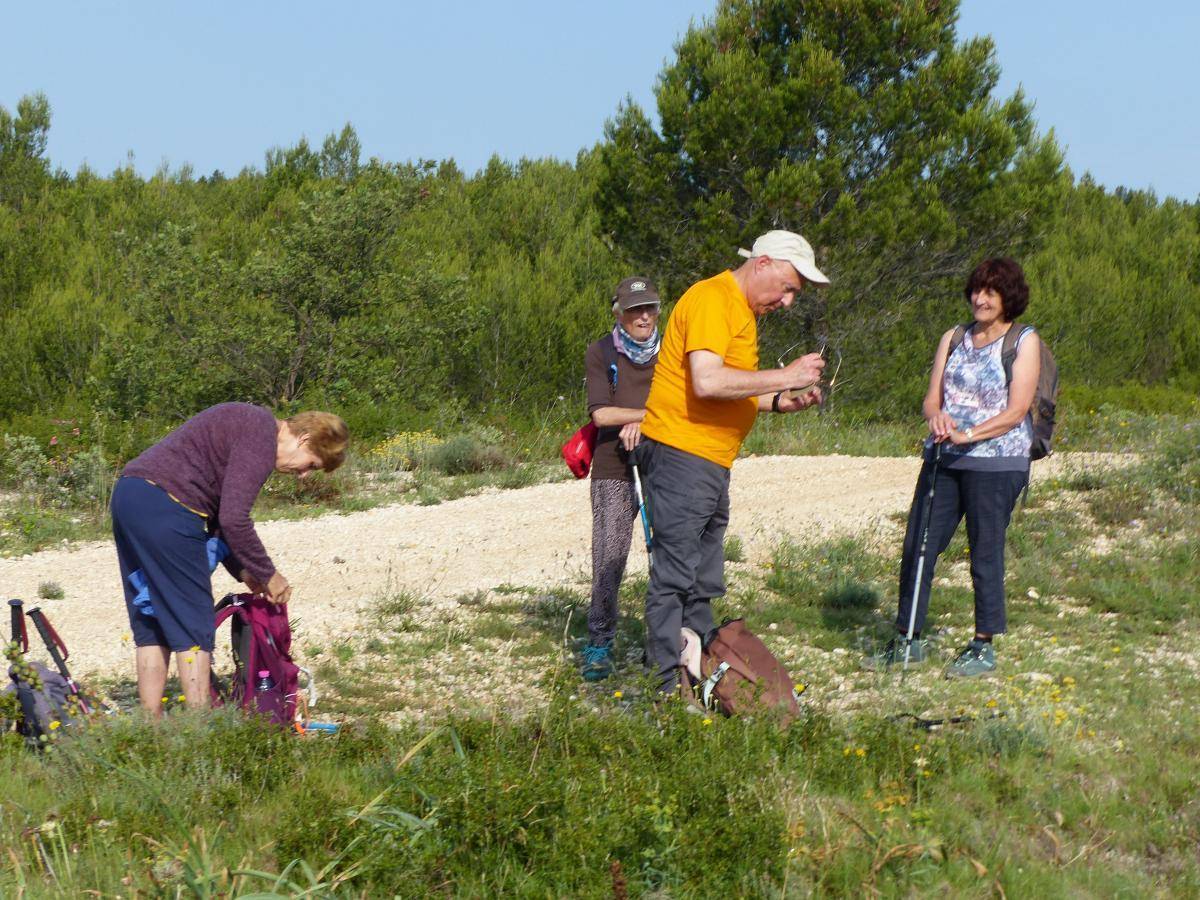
x=167, y=542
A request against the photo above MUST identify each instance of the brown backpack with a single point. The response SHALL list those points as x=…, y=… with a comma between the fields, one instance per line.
x=740, y=676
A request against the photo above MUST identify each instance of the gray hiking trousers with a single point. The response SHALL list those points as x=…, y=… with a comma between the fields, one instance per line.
x=688, y=500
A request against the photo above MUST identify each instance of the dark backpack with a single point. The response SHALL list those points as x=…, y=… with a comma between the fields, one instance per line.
x=45, y=700
x=1045, y=395
x=262, y=642
x=740, y=676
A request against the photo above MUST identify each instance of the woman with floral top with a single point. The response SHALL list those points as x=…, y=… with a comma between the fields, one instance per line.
x=979, y=438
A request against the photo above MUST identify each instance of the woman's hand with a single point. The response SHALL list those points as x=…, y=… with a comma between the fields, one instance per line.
x=631, y=435
x=958, y=438
x=252, y=584
x=278, y=590
x=941, y=426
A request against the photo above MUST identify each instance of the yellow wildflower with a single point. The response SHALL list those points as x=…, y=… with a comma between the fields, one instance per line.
x=55, y=724
x=618, y=694
x=706, y=721
x=860, y=752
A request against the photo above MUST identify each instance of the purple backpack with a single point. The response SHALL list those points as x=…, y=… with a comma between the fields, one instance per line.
x=262, y=643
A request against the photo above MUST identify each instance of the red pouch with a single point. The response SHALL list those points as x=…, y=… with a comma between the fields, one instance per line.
x=577, y=451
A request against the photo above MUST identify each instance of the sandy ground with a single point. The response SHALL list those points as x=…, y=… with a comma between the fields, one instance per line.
x=538, y=536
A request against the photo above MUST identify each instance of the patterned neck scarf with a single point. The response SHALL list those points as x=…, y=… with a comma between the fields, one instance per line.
x=636, y=352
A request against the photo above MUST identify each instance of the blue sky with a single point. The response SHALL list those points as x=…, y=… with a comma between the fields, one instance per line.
x=217, y=84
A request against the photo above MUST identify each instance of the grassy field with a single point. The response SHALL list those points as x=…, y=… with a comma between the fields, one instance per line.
x=473, y=762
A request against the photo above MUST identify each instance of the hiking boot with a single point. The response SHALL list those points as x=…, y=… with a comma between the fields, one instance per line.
x=893, y=655
x=977, y=658
x=597, y=662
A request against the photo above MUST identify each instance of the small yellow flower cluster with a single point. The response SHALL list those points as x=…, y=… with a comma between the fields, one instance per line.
x=404, y=449
x=893, y=796
x=1053, y=701
x=859, y=752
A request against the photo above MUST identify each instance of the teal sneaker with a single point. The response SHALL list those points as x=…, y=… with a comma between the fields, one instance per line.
x=977, y=658
x=893, y=655
x=597, y=662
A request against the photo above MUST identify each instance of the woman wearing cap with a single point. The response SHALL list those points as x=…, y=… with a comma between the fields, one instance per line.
x=202, y=479
x=619, y=369
x=979, y=439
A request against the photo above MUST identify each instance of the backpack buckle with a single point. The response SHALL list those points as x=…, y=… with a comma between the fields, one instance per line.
x=711, y=683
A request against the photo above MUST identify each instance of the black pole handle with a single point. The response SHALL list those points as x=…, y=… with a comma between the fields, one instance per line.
x=20, y=635
x=54, y=644
x=51, y=639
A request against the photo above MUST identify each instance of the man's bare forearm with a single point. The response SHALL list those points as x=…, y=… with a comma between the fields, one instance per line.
x=727, y=383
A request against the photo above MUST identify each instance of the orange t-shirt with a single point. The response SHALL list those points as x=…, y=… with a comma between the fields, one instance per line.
x=713, y=315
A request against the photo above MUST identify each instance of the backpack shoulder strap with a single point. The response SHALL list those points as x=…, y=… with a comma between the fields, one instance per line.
x=1008, y=350
x=956, y=339
x=610, y=365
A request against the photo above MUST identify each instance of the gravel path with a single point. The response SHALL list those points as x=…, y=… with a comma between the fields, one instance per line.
x=538, y=536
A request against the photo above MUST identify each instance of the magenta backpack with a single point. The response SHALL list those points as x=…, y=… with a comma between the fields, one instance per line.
x=262, y=643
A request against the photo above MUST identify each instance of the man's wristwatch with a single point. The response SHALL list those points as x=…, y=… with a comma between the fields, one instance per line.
x=775, y=402
x=969, y=433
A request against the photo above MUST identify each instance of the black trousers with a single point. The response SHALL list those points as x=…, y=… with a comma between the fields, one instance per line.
x=986, y=499
x=688, y=499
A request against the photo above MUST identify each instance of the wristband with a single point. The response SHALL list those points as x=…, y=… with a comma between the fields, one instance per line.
x=775, y=402
x=969, y=433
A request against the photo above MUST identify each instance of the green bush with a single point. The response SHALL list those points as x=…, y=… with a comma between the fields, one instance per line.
x=464, y=454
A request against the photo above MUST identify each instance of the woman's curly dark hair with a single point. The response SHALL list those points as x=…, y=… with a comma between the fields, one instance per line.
x=1004, y=276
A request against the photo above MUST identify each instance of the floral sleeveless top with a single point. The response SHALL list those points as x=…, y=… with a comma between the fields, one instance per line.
x=974, y=390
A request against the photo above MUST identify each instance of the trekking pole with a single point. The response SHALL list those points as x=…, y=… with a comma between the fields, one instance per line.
x=20, y=636
x=55, y=644
x=641, y=501
x=916, y=594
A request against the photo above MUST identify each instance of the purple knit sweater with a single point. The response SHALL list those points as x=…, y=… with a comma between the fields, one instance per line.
x=216, y=462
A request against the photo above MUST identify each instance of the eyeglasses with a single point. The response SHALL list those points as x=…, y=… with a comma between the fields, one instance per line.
x=828, y=382
x=650, y=309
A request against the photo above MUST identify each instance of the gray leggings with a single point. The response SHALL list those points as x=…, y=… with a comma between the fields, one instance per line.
x=614, y=508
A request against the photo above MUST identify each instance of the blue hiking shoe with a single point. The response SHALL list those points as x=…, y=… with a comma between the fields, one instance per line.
x=597, y=662
x=977, y=658
x=893, y=655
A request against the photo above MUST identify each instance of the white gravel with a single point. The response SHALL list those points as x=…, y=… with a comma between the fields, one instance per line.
x=538, y=536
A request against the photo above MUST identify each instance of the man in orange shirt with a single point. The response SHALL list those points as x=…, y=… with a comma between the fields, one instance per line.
x=706, y=393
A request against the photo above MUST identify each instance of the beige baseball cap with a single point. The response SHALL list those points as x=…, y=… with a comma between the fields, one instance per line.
x=788, y=245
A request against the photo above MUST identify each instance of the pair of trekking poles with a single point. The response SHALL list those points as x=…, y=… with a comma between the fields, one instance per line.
x=54, y=644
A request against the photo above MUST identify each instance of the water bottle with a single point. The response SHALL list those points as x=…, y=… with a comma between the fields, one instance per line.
x=266, y=698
